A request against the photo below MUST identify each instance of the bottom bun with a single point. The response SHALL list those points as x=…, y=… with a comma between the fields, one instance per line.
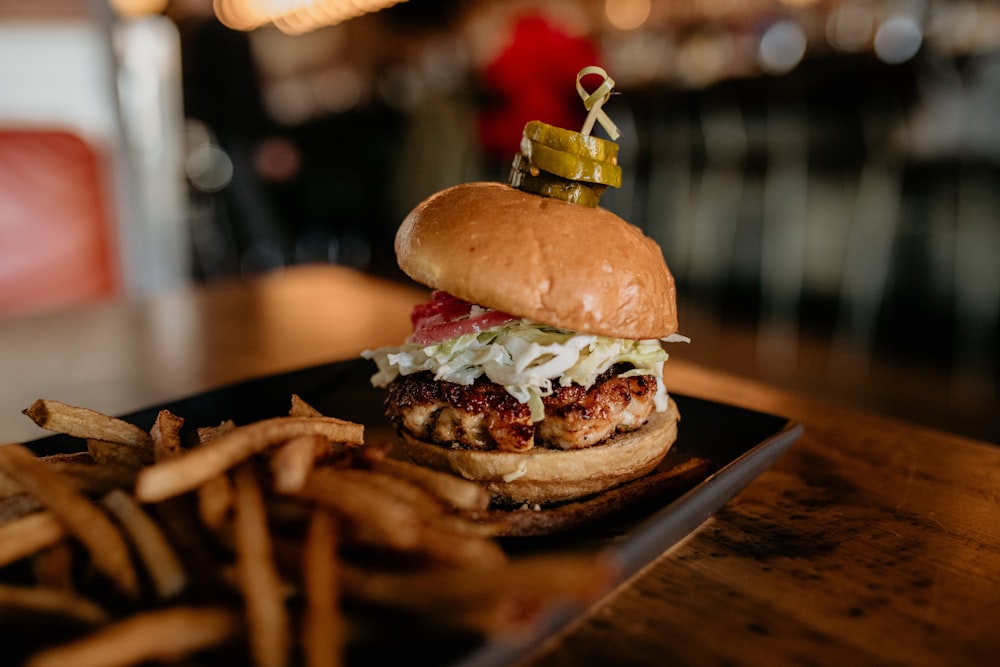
x=542, y=476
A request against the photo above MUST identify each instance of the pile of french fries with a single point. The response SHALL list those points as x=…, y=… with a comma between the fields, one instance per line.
x=268, y=543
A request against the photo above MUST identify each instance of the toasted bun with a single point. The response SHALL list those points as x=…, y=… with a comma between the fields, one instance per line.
x=566, y=265
x=545, y=476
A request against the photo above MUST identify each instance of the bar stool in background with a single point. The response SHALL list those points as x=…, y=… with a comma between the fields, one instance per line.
x=872, y=232
x=783, y=233
x=954, y=130
x=718, y=198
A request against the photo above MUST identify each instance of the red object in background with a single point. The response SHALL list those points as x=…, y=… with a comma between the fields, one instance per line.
x=57, y=229
x=533, y=78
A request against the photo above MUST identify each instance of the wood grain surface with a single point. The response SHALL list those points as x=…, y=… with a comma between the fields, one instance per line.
x=871, y=542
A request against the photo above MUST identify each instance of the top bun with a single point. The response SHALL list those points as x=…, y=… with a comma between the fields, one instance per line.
x=569, y=266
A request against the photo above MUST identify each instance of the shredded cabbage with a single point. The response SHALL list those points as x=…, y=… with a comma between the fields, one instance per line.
x=524, y=357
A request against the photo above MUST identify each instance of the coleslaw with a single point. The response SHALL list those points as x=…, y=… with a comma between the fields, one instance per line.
x=526, y=358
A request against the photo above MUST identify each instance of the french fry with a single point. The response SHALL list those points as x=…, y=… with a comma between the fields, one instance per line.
x=393, y=487
x=87, y=478
x=53, y=567
x=9, y=487
x=215, y=496
x=457, y=492
x=162, y=564
x=292, y=462
x=166, y=435
x=107, y=547
x=267, y=621
x=116, y=455
x=209, y=433
x=96, y=480
x=441, y=545
x=373, y=517
x=579, y=578
x=379, y=517
x=267, y=563
x=24, y=536
x=178, y=517
x=18, y=505
x=429, y=506
x=323, y=625
x=146, y=637
x=68, y=457
x=87, y=424
x=198, y=465
x=300, y=408
x=51, y=601
x=215, y=500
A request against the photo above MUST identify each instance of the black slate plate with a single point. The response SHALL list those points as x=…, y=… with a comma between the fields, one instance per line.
x=740, y=443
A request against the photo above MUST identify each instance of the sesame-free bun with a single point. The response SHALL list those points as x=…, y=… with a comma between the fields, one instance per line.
x=544, y=476
x=566, y=265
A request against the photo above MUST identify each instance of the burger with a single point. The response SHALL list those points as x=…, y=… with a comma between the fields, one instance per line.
x=536, y=366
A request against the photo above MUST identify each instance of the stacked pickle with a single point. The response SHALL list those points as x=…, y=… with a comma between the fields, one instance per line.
x=576, y=167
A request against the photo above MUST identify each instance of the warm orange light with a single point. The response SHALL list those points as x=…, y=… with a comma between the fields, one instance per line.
x=138, y=7
x=293, y=16
x=627, y=14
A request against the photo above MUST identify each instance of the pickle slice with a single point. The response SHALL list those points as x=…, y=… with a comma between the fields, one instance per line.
x=568, y=191
x=568, y=165
x=568, y=141
x=548, y=185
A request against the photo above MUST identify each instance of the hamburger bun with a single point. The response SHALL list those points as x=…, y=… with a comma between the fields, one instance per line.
x=569, y=266
x=544, y=476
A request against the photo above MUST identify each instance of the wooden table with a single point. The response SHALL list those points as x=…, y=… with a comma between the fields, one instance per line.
x=870, y=542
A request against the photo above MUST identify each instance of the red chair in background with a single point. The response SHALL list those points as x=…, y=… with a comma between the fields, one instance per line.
x=58, y=242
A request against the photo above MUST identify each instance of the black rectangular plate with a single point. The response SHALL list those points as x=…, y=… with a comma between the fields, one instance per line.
x=740, y=443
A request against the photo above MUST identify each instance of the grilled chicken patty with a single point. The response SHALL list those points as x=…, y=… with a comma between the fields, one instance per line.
x=484, y=416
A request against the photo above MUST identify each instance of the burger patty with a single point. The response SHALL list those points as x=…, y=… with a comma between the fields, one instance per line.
x=484, y=415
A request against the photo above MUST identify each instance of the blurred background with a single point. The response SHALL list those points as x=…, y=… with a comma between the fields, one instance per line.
x=821, y=174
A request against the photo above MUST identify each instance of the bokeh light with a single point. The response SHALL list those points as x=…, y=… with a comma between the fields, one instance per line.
x=850, y=27
x=898, y=39
x=627, y=14
x=781, y=47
